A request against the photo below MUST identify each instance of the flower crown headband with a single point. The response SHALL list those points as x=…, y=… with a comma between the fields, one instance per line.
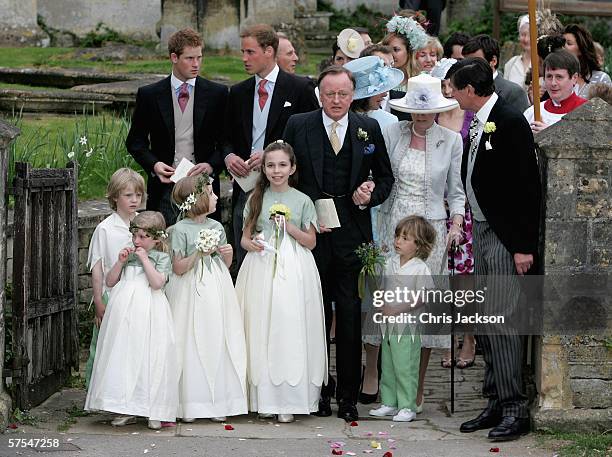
x=203, y=181
x=154, y=233
x=411, y=29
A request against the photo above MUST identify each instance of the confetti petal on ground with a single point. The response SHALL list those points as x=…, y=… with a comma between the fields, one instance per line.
x=319, y=435
x=354, y=424
x=146, y=451
x=228, y=427
x=241, y=439
x=375, y=444
x=350, y=453
x=318, y=426
x=367, y=451
x=494, y=449
x=369, y=434
x=152, y=444
x=383, y=433
x=135, y=433
x=388, y=454
x=391, y=440
x=13, y=426
x=337, y=444
x=336, y=452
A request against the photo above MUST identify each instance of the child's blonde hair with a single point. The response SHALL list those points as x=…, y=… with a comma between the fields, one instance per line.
x=196, y=185
x=154, y=224
x=421, y=230
x=119, y=181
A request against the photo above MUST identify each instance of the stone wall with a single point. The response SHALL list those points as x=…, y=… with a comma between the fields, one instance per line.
x=18, y=26
x=574, y=376
x=136, y=18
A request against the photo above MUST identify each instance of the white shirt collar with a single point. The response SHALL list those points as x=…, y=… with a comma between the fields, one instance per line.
x=483, y=113
x=270, y=77
x=495, y=73
x=328, y=121
x=176, y=83
x=117, y=221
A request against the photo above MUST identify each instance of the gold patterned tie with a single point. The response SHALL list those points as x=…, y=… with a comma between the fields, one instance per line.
x=334, y=139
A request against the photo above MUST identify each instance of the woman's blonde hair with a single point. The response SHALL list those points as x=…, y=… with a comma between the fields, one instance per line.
x=196, y=185
x=154, y=224
x=421, y=230
x=119, y=181
x=432, y=42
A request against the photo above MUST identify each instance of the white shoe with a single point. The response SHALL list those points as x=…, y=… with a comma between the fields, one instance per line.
x=285, y=418
x=123, y=420
x=155, y=425
x=383, y=410
x=188, y=420
x=265, y=416
x=218, y=419
x=404, y=415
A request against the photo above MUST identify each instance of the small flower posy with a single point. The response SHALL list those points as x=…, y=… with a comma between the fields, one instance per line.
x=207, y=240
x=362, y=134
x=489, y=128
x=152, y=232
x=278, y=209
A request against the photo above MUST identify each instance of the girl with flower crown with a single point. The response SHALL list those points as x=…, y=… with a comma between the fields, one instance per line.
x=279, y=290
x=207, y=320
x=134, y=370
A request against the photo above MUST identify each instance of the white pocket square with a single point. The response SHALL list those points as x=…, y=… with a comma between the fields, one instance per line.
x=286, y=104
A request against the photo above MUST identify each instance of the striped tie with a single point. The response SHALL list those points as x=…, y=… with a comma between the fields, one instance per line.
x=473, y=135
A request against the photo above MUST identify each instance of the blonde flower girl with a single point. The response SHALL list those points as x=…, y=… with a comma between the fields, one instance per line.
x=207, y=319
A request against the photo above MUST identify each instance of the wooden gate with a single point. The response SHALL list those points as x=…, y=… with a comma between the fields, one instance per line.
x=45, y=281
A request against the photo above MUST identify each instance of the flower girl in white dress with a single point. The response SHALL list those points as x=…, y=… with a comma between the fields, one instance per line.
x=134, y=370
x=279, y=289
x=207, y=319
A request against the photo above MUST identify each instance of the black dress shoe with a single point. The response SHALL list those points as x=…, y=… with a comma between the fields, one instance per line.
x=347, y=411
x=510, y=428
x=487, y=419
x=324, y=407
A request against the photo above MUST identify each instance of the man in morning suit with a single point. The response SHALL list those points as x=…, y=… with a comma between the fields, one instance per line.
x=502, y=183
x=487, y=48
x=257, y=111
x=336, y=151
x=179, y=117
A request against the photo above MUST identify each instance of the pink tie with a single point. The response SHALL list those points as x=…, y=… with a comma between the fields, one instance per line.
x=183, y=96
x=263, y=94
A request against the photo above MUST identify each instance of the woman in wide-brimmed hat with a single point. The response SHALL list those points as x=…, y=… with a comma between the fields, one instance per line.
x=373, y=78
x=426, y=162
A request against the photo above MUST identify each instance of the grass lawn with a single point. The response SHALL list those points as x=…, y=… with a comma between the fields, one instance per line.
x=577, y=444
x=95, y=142
x=215, y=65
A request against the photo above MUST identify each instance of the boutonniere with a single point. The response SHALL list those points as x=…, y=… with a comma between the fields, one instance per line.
x=362, y=134
x=369, y=149
x=489, y=128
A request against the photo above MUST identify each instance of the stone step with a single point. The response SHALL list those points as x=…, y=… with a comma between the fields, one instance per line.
x=314, y=22
x=320, y=42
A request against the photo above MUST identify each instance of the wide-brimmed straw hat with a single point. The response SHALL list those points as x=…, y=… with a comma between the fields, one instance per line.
x=350, y=43
x=372, y=76
x=424, y=96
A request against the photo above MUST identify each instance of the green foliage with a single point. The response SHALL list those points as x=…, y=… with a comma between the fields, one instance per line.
x=24, y=417
x=483, y=23
x=100, y=35
x=96, y=143
x=362, y=16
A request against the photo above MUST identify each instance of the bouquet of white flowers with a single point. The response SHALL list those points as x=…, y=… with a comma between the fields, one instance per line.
x=207, y=242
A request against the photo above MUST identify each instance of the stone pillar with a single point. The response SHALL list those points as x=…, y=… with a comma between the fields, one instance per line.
x=8, y=133
x=267, y=12
x=18, y=25
x=574, y=373
x=218, y=21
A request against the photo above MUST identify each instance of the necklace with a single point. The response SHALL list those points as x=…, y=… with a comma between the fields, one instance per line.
x=417, y=134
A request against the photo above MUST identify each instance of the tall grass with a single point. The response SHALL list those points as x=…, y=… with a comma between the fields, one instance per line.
x=95, y=142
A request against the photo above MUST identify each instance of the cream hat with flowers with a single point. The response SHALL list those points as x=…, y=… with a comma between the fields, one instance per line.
x=350, y=43
x=424, y=96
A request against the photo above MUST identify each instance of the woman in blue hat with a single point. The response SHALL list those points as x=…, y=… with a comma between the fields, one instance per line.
x=374, y=78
